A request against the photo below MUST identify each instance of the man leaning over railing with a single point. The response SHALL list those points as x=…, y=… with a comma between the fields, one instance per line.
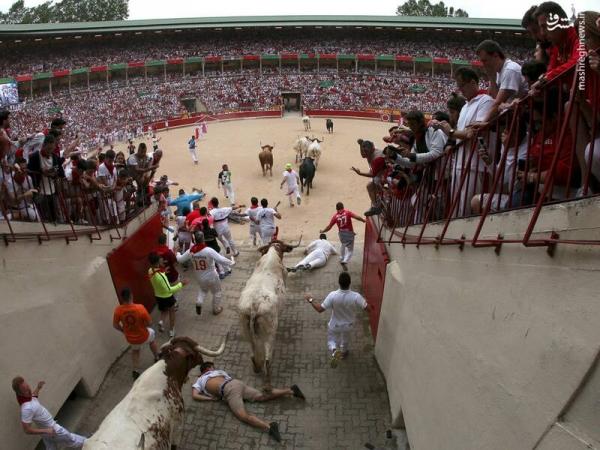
x=376, y=162
x=467, y=169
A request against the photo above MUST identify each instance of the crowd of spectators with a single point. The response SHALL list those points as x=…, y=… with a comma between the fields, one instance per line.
x=44, y=165
x=507, y=146
x=44, y=179
x=71, y=54
x=107, y=114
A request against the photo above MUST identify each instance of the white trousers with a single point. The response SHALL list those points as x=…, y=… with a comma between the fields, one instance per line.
x=316, y=259
x=473, y=184
x=254, y=230
x=266, y=234
x=226, y=239
x=228, y=191
x=207, y=285
x=338, y=337
x=292, y=194
x=63, y=438
x=347, y=246
x=194, y=155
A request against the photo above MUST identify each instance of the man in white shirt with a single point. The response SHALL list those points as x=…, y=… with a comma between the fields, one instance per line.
x=33, y=413
x=203, y=259
x=252, y=213
x=221, y=224
x=291, y=180
x=214, y=385
x=506, y=80
x=471, y=168
x=317, y=253
x=265, y=218
x=343, y=303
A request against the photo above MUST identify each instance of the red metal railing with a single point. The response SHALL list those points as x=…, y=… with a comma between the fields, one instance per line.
x=543, y=150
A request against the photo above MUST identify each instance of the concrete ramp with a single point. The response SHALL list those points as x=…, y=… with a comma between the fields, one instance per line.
x=346, y=407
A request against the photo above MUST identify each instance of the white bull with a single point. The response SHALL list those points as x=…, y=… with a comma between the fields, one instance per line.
x=306, y=122
x=314, y=150
x=301, y=147
x=259, y=305
x=150, y=417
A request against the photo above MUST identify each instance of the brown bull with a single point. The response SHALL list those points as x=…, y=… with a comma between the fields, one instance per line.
x=266, y=159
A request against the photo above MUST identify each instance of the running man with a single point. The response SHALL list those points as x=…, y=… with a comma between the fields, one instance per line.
x=214, y=385
x=343, y=304
x=203, y=259
x=192, y=149
x=221, y=224
x=32, y=412
x=254, y=224
x=317, y=253
x=343, y=219
x=291, y=180
x=133, y=321
x=266, y=221
x=163, y=292
x=224, y=181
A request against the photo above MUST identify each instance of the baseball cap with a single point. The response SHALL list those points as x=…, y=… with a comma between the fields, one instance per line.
x=288, y=166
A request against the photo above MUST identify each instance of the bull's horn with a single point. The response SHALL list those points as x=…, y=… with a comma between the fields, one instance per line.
x=298, y=244
x=208, y=352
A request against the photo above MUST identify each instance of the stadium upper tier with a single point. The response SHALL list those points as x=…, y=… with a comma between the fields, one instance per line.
x=48, y=54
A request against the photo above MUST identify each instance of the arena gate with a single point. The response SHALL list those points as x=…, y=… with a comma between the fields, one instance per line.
x=375, y=260
x=291, y=101
x=128, y=263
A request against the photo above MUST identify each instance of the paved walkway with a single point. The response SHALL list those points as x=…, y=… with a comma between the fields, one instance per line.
x=345, y=408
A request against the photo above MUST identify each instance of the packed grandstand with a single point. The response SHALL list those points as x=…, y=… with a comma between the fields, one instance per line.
x=124, y=83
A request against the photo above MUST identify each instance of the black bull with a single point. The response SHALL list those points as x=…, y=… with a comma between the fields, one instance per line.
x=307, y=173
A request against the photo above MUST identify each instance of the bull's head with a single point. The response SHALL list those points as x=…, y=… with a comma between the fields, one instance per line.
x=268, y=148
x=279, y=246
x=182, y=353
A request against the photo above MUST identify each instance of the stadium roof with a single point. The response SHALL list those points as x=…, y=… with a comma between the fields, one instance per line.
x=377, y=22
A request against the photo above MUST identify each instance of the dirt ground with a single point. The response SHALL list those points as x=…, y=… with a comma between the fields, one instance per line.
x=236, y=143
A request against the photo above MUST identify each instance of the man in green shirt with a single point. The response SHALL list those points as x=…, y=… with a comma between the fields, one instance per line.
x=163, y=292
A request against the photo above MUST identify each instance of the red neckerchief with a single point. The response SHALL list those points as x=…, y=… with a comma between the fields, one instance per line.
x=196, y=248
x=110, y=167
x=253, y=206
x=23, y=399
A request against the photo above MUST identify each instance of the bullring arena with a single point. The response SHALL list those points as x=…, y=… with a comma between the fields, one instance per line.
x=237, y=143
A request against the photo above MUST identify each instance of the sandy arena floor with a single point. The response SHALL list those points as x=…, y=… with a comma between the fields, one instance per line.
x=237, y=144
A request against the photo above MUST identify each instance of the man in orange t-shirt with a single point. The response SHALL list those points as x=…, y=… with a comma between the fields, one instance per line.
x=134, y=322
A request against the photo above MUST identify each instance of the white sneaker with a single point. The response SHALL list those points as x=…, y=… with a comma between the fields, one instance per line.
x=172, y=333
x=161, y=327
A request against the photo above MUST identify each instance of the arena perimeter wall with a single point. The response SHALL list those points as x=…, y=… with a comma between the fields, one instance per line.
x=56, y=315
x=177, y=122
x=495, y=351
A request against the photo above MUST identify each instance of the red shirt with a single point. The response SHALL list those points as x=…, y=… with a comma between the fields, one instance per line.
x=548, y=150
x=561, y=62
x=343, y=219
x=196, y=224
x=192, y=216
x=170, y=260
